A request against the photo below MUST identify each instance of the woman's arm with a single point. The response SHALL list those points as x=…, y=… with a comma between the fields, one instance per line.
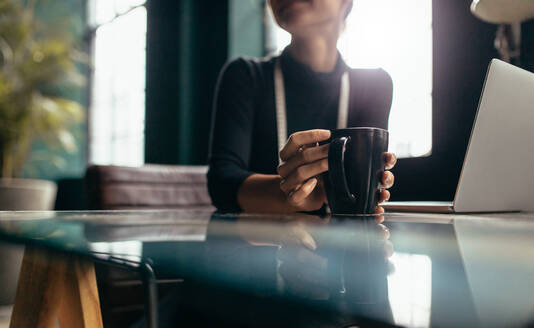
x=232, y=186
x=231, y=133
x=261, y=193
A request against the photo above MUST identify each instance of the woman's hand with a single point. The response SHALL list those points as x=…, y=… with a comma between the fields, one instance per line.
x=387, y=181
x=303, y=161
x=302, y=269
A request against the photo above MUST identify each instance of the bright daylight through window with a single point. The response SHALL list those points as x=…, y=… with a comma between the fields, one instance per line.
x=396, y=36
x=117, y=117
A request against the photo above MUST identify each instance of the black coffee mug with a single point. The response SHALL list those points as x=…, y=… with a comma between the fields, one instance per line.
x=355, y=167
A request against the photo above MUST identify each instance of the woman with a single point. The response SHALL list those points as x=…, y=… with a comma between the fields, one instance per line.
x=303, y=93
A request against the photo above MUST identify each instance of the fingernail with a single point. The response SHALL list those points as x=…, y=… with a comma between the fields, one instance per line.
x=309, y=242
x=282, y=181
x=313, y=183
x=387, y=234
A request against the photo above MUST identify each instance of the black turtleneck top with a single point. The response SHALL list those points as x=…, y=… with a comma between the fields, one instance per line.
x=244, y=133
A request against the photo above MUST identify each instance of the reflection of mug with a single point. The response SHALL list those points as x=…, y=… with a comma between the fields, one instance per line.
x=357, y=271
x=356, y=163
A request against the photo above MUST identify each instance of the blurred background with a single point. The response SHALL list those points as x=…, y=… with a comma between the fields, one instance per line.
x=146, y=73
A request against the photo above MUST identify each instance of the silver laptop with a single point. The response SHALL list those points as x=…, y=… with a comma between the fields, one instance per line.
x=498, y=169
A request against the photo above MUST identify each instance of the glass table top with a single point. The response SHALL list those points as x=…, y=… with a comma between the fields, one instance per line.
x=415, y=270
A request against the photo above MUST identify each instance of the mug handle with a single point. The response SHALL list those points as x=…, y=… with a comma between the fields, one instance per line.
x=336, y=168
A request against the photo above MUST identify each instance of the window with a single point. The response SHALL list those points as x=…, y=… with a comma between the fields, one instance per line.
x=117, y=113
x=396, y=36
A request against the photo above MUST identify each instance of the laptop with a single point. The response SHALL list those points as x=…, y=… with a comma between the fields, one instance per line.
x=498, y=169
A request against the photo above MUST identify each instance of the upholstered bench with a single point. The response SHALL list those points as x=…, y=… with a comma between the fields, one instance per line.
x=148, y=187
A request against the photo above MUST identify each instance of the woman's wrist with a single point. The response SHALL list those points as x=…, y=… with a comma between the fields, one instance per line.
x=262, y=193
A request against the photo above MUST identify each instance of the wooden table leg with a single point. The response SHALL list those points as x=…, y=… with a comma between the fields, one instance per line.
x=80, y=306
x=54, y=287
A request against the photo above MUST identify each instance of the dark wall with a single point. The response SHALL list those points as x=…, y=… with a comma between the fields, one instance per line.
x=186, y=47
x=527, y=45
x=463, y=48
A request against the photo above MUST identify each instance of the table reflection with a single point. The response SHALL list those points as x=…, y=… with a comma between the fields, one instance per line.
x=302, y=271
x=347, y=270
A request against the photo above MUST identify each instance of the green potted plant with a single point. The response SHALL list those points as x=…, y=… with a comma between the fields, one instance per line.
x=36, y=60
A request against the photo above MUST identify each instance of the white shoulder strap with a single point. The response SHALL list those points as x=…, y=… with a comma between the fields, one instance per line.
x=344, y=99
x=280, y=103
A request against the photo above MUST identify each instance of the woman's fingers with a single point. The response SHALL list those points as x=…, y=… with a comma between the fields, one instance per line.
x=388, y=179
x=321, y=192
x=306, y=239
x=308, y=155
x=302, y=174
x=379, y=210
x=298, y=139
x=379, y=218
x=296, y=234
x=384, y=196
x=296, y=197
x=390, y=160
x=384, y=231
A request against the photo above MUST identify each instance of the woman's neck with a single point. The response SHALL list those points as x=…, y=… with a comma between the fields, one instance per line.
x=319, y=52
